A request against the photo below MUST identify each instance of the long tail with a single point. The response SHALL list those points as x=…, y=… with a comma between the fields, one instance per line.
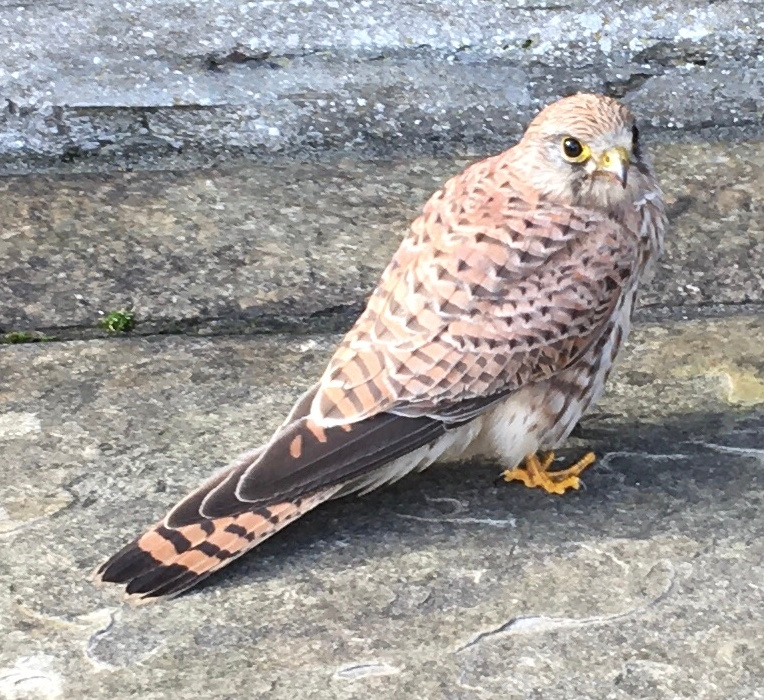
x=166, y=561
x=262, y=492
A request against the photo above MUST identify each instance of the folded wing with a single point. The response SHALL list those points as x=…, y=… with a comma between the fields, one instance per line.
x=488, y=293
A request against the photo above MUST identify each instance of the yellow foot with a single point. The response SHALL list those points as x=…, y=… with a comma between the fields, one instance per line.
x=536, y=473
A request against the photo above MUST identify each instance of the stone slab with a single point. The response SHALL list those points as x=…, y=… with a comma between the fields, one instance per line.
x=249, y=243
x=144, y=80
x=645, y=584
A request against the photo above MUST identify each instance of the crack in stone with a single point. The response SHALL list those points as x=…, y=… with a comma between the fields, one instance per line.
x=364, y=670
x=605, y=465
x=32, y=676
x=93, y=639
x=758, y=453
x=336, y=318
x=332, y=319
x=525, y=624
x=459, y=507
x=491, y=522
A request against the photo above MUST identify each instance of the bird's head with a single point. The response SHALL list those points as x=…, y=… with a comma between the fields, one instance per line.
x=585, y=151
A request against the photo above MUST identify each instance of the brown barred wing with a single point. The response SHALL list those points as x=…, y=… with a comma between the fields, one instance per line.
x=257, y=496
x=489, y=293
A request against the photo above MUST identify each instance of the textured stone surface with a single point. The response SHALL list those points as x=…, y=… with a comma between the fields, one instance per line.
x=293, y=240
x=646, y=584
x=143, y=80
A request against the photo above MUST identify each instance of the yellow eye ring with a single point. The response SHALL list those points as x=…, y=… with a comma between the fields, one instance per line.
x=574, y=151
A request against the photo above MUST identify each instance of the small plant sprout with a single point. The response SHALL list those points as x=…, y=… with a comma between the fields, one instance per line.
x=121, y=321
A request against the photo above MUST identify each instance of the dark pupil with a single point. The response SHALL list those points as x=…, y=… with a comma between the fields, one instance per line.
x=573, y=148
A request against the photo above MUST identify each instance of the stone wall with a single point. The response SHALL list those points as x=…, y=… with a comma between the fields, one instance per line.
x=137, y=78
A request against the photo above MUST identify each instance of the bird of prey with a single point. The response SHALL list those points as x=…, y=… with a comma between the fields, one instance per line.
x=491, y=332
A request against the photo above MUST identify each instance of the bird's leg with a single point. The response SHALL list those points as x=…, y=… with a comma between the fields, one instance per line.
x=535, y=473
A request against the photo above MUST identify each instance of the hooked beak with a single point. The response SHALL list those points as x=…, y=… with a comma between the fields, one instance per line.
x=615, y=161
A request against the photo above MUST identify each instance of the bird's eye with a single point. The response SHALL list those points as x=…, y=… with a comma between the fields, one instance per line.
x=574, y=150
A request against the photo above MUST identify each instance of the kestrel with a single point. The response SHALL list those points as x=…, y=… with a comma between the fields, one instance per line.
x=491, y=332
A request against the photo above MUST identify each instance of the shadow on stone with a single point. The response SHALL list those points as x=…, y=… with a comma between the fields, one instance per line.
x=648, y=480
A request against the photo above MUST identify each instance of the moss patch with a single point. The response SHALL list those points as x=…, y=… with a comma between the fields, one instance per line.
x=17, y=337
x=121, y=321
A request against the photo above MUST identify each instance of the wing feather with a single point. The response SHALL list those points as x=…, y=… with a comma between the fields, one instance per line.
x=489, y=292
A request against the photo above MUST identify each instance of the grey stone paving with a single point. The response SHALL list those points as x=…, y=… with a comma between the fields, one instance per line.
x=646, y=584
x=294, y=240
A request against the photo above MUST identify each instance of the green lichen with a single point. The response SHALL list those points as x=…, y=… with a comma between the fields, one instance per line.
x=17, y=337
x=121, y=321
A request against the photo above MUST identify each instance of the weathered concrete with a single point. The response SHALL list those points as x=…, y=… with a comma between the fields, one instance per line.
x=242, y=245
x=135, y=82
x=646, y=584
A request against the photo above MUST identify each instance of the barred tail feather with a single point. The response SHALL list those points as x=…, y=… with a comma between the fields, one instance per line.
x=166, y=561
x=264, y=490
